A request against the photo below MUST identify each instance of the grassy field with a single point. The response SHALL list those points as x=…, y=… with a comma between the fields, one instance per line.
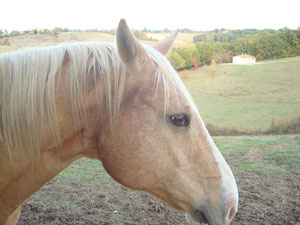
x=274, y=148
x=247, y=97
x=266, y=169
x=23, y=41
x=181, y=39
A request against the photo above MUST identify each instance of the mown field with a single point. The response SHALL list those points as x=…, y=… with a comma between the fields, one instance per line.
x=267, y=170
x=247, y=97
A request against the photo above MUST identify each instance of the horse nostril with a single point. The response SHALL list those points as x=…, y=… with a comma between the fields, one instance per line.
x=200, y=217
x=231, y=213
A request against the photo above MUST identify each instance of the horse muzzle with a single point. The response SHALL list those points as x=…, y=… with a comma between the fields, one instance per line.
x=209, y=214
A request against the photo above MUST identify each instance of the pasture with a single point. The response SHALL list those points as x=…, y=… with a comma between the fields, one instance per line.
x=181, y=39
x=23, y=41
x=266, y=168
x=247, y=97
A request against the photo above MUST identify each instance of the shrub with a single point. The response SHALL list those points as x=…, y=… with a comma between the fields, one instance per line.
x=227, y=131
x=221, y=57
x=140, y=35
x=176, y=60
x=187, y=53
x=6, y=42
x=291, y=127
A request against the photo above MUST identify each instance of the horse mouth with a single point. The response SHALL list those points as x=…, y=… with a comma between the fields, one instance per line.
x=200, y=219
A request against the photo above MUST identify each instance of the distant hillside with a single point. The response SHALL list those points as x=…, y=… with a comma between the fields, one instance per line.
x=223, y=35
x=247, y=97
x=181, y=40
x=30, y=40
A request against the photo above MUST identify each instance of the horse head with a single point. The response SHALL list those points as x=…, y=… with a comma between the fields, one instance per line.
x=161, y=144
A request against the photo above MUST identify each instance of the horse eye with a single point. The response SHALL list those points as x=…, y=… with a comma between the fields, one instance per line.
x=179, y=120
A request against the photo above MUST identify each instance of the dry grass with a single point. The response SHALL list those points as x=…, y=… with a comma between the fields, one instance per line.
x=181, y=39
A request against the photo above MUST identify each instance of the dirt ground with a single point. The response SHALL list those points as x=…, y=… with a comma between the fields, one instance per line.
x=271, y=198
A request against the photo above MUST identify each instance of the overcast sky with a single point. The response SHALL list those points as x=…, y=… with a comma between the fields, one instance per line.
x=153, y=14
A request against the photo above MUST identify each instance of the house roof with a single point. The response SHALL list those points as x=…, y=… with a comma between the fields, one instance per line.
x=246, y=56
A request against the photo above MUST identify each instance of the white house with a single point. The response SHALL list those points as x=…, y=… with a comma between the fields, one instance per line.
x=243, y=59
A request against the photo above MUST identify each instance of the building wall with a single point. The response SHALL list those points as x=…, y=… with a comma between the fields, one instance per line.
x=240, y=60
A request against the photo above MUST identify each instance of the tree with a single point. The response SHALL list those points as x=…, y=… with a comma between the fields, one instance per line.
x=166, y=30
x=140, y=35
x=208, y=49
x=199, y=38
x=240, y=46
x=176, y=61
x=194, y=60
x=213, y=66
x=221, y=57
x=271, y=47
x=229, y=57
x=187, y=52
x=14, y=33
x=6, y=42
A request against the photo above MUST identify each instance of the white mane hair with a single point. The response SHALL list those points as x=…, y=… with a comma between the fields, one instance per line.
x=27, y=88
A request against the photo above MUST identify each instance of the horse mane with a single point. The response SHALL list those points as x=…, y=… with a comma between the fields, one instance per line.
x=27, y=88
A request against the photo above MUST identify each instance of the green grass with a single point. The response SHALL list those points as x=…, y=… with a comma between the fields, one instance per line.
x=287, y=155
x=247, y=97
x=232, y=146
x=261, y=168
x=281, y=149
x=84, y=169
x=97, y=190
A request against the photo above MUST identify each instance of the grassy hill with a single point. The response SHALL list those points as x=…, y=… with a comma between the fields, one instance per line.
x=181, y=39
x=22, y=41
x=247, y=97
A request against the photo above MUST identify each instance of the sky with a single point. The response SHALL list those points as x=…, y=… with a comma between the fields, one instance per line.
x=197, y=15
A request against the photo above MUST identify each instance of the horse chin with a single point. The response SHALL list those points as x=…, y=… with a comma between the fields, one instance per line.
x=195, y=221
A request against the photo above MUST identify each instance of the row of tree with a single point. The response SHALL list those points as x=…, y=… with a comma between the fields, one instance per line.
x=55, y=31
x=272, y=45
x=222, y=35
x=219, y=45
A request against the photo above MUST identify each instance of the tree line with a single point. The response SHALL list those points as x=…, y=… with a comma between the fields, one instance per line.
x=218, y=45
x=221, y=45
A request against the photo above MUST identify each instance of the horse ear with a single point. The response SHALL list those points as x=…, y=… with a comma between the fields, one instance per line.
x=128, y=47
x=165, y=45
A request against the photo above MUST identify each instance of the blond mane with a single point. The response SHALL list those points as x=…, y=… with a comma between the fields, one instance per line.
x=27, y=88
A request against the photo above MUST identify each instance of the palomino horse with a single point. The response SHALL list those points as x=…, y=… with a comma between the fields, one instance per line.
x=124, y=105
